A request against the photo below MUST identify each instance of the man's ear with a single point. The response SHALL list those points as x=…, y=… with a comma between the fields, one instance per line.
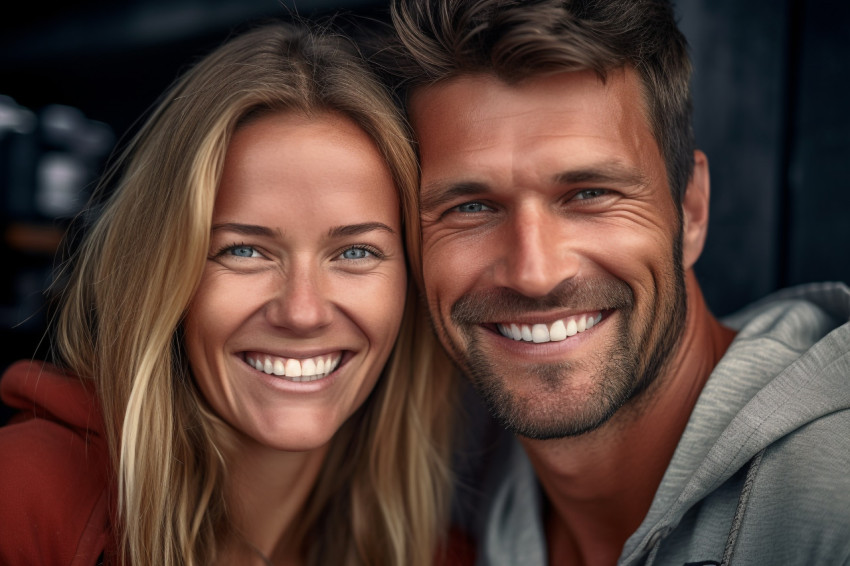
x=695, y=211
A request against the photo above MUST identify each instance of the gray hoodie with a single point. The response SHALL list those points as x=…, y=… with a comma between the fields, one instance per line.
x=761, y=474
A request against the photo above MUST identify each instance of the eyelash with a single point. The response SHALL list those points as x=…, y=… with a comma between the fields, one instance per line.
x=367, y=248
x=483, y=207
x=597, y=193
x=581, y=195
x=456, y=209
x=224, y=249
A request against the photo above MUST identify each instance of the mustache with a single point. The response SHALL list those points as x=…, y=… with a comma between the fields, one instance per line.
x=502, y=303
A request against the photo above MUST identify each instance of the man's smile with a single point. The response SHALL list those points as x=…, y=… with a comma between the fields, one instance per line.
x=557, y=331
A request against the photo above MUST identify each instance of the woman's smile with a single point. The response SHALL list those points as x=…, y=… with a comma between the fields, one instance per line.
x=295, y=369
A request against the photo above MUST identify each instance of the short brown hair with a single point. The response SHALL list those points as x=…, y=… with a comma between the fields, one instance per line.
x=440, y=39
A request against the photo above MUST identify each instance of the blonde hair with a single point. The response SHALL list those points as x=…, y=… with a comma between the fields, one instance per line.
x=382, y=497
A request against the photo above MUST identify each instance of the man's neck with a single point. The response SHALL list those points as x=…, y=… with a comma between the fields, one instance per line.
x=600, y=485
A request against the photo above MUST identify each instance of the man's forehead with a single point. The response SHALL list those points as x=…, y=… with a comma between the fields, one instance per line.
x=482, y=110
x=480, y=83
x=431, y=97
x=563, y=129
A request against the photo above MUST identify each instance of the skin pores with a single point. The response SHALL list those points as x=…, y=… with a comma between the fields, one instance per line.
x=302, y=295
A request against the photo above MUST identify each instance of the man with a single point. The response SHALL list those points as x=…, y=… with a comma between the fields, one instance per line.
x=563, y=208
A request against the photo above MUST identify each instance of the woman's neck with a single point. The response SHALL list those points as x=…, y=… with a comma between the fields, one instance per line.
x=266, y=492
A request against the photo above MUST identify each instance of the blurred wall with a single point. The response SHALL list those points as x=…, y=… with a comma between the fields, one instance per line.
x=771, y=112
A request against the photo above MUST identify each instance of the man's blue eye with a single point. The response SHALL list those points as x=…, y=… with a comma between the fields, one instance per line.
x=471, y=207
x=355, y=253
x=590, y=193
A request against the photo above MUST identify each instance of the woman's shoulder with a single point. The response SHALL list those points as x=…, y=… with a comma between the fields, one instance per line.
x=54, y=470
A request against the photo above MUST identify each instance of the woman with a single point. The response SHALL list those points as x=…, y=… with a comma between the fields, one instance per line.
x=256, y=383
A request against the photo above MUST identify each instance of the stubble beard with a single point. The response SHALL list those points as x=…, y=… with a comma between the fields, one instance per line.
x=622, y=371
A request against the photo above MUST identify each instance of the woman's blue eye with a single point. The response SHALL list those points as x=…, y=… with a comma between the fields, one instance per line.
x=356, y=253
x=472, y=207
x=243, y=251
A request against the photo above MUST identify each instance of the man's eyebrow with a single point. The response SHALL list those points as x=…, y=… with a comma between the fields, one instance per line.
x=605, y=173
x=436, y=195
x=244, y=229
x=356, y=229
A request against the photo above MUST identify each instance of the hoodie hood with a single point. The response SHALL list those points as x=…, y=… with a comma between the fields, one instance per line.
x=787, y=367
x=42, y=390
x=54, y=473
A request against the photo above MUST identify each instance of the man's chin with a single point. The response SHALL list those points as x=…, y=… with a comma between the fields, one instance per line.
x=542, y=423
x=547, y=403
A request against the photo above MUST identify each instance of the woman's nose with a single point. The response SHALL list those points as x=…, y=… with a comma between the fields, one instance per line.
x=301, y=303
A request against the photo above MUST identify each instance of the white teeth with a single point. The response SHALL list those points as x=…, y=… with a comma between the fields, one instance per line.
x=539, y=333
x=294, y=369
x=516, y=334
x=308, y=367
x=556, y=332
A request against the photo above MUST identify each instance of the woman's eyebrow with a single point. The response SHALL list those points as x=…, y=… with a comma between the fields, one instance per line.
x=355, y=229
x=335, y=232
x=245, y=229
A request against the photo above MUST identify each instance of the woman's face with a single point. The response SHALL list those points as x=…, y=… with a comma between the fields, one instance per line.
x=302, y=295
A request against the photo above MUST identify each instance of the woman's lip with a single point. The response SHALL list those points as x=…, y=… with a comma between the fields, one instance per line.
x=296, y=369
x=295, y=354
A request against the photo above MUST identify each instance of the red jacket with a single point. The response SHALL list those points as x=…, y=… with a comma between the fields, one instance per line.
x=54, y=462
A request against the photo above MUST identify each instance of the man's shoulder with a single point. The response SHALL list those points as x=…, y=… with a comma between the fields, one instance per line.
x=823, y=305
x=798, y=508
x=810, y=466
x=788, y=505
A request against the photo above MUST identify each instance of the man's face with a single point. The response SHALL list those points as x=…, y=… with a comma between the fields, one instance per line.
x=551, y=244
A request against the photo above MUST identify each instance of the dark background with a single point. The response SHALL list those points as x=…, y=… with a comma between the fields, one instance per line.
x=770, y=94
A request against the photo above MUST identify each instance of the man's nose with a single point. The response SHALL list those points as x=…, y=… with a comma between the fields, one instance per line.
x=536, y=255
